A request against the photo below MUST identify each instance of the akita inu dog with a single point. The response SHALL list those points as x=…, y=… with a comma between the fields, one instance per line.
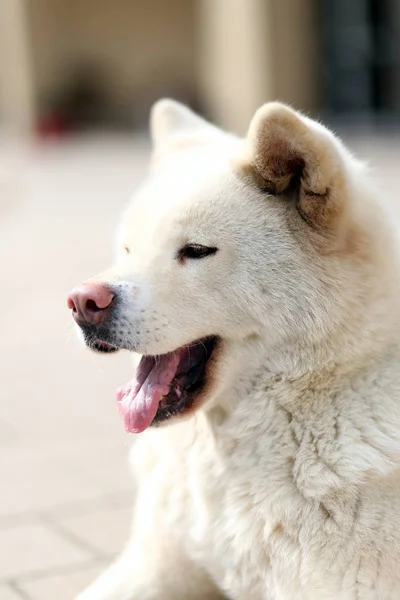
x=259, y=279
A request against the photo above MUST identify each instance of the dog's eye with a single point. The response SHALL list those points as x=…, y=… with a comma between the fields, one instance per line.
x=196, y=251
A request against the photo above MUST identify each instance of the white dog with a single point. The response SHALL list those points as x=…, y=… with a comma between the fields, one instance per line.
x=260, y=280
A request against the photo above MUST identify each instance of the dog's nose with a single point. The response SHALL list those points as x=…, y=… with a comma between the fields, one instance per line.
x=90, y=303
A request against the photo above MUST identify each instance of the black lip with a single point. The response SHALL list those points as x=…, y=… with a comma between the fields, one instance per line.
x=97, y=339
x=102, y=347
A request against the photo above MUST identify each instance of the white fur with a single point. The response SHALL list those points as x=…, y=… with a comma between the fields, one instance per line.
x=285, y=484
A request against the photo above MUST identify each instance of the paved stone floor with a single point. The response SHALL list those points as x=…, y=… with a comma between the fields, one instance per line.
x=66, y=492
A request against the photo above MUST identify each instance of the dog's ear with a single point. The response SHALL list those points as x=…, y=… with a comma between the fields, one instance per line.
x=173, y=124
x=286, y=150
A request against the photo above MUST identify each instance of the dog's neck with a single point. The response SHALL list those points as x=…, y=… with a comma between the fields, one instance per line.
x=260, y=402
x=255, y=366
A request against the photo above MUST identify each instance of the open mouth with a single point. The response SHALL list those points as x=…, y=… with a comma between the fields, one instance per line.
x=165, y=385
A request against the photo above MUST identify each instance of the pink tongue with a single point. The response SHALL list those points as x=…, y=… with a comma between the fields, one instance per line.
x=138, y=400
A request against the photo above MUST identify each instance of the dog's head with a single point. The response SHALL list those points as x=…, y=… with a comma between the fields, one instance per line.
x=265, y=246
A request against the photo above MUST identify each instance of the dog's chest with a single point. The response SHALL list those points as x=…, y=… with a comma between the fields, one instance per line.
x=246, y=509
x=259, y=518
x=251, y=501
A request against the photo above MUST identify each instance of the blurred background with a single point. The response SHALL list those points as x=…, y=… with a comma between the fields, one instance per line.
x=77, y=80
x=70, y=65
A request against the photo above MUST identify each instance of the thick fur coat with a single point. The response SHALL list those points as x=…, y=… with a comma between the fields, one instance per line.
x=283, y=483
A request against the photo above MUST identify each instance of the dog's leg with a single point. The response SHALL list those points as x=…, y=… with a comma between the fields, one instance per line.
x=152, y=573
x=153, y=565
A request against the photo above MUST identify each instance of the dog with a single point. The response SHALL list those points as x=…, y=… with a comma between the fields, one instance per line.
x=257, y=283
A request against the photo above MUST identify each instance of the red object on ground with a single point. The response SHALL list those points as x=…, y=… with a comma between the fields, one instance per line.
x=53, y=126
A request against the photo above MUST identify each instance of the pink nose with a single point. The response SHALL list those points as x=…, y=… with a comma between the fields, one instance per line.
x=90, y=302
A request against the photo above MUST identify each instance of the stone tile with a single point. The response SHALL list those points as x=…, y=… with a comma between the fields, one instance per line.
x=37, y=485
x=35, y=548
x=106, y=530
x=115, y=498
x=7, y=593
x=61, y=587
x=79, y=473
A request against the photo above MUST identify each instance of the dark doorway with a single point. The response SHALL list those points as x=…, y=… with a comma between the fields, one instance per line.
x=360, y=57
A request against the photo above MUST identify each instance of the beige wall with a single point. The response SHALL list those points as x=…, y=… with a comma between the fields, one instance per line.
x=145, y=48
x=16, y=83
x=232, y=54
x=294, y=52
x=253, y=51
x=234, y=59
